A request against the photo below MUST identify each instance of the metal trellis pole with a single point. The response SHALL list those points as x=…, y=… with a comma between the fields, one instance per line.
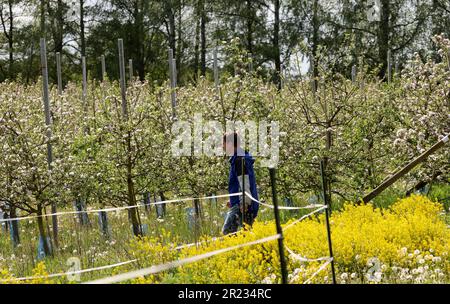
x=327, y=219
x=278, y=225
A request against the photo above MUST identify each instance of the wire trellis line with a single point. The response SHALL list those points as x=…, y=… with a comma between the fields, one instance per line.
x=117, y=208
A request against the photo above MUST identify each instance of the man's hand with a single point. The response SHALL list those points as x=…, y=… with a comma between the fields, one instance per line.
x=229, y=204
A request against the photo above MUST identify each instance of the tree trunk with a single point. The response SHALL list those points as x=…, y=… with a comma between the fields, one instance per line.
x=383, y=37
x=42, y=234
x=276, y=44
x=82, y=34
x=14, y=226
x=203, y=37
x=59, y=34
x=133, y=212
x=42, y=20
x=249, y=28
x=10, y=40
x=315, y=41
x=196, y=50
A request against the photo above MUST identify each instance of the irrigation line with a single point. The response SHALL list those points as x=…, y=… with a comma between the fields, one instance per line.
x=118, y=208
x=312, y=206
x=162, y=267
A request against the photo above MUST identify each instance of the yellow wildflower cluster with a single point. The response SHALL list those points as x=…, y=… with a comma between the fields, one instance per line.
x=406, y=243
x=40, y=275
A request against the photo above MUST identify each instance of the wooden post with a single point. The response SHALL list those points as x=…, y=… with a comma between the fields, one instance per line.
x=396, y=175
x=103, y=68
x=353, y=73
x=58, y=72
x=122, y=79
x=250, y=65
x=48, y=123
x=278, y=226
x=84, y=85
x=396, y=69
x=389, y=67
x=327, y=218
x=216, y=70
x=172, y=83
x=130, y=69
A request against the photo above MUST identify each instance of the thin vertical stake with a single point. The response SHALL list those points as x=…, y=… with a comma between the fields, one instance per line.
x=58, y=72
x=83, y=64
x=389, y=66
x=172, y=82
x=122, y=79
x=353, y=73
x=103, y=68
x=279, y=230
x=327, y=220
x=216, y=70
x=48, y=123
x=130, y=69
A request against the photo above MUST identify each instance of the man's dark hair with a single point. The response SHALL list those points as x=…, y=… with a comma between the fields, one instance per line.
x=232, y=137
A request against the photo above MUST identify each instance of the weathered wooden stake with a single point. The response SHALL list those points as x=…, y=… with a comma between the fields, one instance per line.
x=389, y=66
x=84, y=93
x=172, y=82
x=353, y=73
x=130, y=69
x=216, y=70
x=48, y=123
x=122, y=79
x=396, y=175
x=103, y=67
x=58, y=72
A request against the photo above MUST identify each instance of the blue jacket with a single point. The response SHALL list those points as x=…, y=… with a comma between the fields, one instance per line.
x=234, y=187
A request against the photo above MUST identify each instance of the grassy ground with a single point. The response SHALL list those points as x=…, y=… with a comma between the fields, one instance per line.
x=95, y=249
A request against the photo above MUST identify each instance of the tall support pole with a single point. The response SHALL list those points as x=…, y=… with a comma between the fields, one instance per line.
x=48, y=123
x=58, y=72
x=243, y=190
x=353, y=73
x=103, y=67
x=279, y=230
x=216, y=70
x=172, y=83
x=122, y=79
x=327, y=219
x=389, y=66
x=83, y=65
x=130, y=69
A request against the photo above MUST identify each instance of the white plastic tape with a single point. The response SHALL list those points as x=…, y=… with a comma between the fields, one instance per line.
x=162, y=267
x=283, y=207
x=303, y=259
x=116, y=208
x=318, y=270
x=303, y=217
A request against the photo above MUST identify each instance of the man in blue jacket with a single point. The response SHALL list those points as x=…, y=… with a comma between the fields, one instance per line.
x=241, y=172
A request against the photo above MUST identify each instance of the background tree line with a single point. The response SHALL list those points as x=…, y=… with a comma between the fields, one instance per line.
x=273, y=32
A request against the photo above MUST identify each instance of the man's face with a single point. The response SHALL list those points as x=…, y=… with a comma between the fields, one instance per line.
x=228, y=147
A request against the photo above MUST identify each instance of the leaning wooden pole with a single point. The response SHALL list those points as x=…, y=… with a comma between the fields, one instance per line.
x=399, y=173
